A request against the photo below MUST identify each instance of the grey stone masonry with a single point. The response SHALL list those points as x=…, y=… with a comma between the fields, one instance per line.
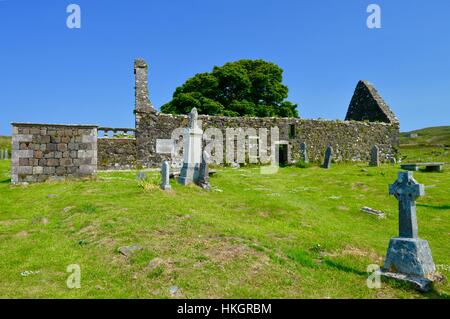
x=351, y=141
x=370, y=122
x=143, y=103
x=42, y=152
x=328, y=156
x=368, y=105
x=374, y=156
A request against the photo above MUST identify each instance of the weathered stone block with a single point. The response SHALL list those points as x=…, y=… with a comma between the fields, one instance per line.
x=65, y=139
x=38, y=170
x=86, y=153
x=60, y=170
x=48, y=154
x=65, y=162
x=35, y=131
x=49, y=170
x=53, y=162
x=89, y=138
x=73, y=146
x=55, y=139
x=88, y=169
x=62, y=147
x=24, y=153
x=25, y=170
x=22, y=138
x=411, y=256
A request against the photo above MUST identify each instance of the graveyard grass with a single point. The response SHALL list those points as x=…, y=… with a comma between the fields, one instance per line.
x=295, y=234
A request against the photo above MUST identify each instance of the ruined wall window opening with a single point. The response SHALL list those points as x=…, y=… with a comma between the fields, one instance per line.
x=291, y=130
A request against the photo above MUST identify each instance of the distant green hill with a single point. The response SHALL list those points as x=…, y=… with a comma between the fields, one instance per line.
x=431, y=136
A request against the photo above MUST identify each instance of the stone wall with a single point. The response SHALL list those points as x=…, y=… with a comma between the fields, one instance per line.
x=368, y=105
x=43, y=152
x=370, y=121
x=116, y=153
x=351, y=140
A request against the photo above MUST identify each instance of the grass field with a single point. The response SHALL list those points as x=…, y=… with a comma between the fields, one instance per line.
x=295, y=234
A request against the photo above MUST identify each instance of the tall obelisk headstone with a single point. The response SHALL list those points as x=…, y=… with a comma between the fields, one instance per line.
x=408, y=257
x=192, y=155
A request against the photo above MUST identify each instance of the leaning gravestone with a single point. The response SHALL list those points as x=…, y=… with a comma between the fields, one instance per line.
x=192, y=152
x=375, y=156
x=203, y=179
x=408, y=257
x=328, y=155
x=304, y=153
x=165, y=176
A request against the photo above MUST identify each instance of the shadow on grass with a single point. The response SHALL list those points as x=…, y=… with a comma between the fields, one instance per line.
x=5, y=181
x=443, y=207
x=332, y=264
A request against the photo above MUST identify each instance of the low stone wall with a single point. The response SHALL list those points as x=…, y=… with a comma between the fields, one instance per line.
x=351, y=140
x=116, y=153
x=43, y=152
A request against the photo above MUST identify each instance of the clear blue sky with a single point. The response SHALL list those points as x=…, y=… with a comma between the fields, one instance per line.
x=49, y=73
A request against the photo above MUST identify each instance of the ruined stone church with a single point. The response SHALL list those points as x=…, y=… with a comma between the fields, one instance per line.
x=57, y=151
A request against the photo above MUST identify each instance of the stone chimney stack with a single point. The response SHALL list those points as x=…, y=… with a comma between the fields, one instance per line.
x=142, y=101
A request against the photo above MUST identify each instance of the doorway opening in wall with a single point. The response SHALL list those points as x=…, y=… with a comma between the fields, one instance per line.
x=282, y=151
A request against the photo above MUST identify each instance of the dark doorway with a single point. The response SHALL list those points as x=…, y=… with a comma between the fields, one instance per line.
x=282, y=151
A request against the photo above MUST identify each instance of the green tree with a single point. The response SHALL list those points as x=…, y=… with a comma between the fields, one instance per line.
x=241, y=88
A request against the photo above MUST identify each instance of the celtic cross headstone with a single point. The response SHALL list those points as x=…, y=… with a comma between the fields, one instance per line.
x=408, y=255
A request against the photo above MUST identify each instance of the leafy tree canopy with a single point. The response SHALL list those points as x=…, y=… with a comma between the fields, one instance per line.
x=241, y=88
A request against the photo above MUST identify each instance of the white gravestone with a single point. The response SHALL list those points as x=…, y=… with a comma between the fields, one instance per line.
x=192, y=152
